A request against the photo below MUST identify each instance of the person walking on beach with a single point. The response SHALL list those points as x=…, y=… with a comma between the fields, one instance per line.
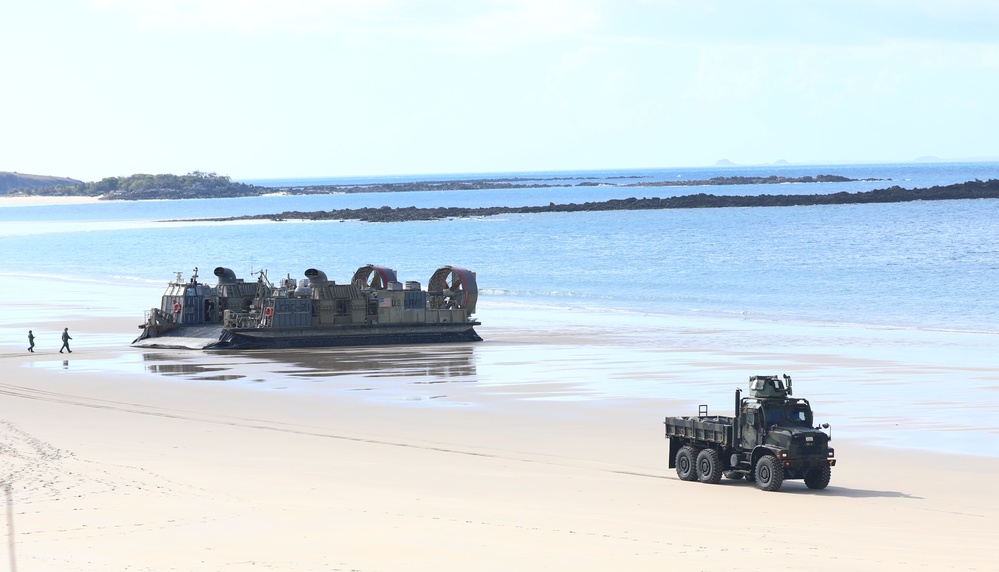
x=31, y=342
x=65, y=341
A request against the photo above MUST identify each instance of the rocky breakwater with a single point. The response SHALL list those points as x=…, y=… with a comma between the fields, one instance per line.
x=895, y=194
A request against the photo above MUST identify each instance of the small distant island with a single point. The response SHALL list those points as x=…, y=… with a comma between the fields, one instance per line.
x=970, y=190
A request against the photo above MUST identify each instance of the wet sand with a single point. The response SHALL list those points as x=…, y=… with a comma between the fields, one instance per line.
x=540, y=448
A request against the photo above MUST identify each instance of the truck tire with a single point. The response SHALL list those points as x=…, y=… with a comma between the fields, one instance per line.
x=686, y=466
x=769, y=473
x=818, y=478
x=709, y=469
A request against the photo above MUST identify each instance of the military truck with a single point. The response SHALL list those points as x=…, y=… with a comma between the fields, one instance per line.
x=770, y=440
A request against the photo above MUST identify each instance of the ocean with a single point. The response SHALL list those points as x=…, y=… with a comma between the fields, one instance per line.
x=929, y=270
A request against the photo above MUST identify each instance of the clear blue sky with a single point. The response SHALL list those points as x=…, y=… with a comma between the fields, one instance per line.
x=303, y=88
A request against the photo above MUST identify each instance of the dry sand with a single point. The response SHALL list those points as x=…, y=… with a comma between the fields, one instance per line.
x=393, y=459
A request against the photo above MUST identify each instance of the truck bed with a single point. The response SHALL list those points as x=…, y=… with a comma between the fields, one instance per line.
x=710, y=429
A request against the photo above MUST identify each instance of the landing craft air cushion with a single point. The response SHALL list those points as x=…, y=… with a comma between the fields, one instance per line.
x=373, y=309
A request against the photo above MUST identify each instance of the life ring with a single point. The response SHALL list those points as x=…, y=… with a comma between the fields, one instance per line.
x=176, y=307
x=268, y=312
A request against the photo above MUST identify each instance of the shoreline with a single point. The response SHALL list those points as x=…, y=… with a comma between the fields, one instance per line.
x=36, y=201
x=850, y=372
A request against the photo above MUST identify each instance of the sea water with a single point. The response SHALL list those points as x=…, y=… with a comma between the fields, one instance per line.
x=920, y=264
x=924, y=268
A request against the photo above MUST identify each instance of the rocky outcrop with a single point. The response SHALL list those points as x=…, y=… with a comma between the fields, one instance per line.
x=740, y=180
x=549, y=182
x=970, y=190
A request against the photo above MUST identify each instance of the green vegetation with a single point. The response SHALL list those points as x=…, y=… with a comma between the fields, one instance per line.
x=142, y=186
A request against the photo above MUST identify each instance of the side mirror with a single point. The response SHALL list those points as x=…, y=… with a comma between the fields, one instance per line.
x=826, y=426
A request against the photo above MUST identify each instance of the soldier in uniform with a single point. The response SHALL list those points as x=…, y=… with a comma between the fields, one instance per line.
x=65, y=341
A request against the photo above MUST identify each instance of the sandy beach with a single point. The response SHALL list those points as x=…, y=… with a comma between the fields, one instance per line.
x=33, y=201
x=424, y=459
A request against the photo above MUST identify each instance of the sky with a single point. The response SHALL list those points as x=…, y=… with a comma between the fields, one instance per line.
x=328, y=88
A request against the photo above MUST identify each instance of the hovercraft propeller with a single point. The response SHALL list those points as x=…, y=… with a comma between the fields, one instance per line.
x=374, y=277
x=454, y=287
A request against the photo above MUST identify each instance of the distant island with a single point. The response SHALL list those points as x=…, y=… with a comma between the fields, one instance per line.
x=200, y=185
x=970, y=190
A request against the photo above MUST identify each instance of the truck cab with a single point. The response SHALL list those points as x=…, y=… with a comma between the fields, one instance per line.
x=757, y=418
x=772, y=423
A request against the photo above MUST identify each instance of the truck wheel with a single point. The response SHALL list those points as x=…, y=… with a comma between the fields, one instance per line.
x=709, y=469
x=685, y=465
x=769, y=473
x=818, y=478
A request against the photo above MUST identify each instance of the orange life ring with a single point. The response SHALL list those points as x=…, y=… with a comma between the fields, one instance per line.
x=268, y=311
x=176, y=307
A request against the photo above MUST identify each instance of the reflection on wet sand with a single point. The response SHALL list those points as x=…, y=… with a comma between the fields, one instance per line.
x=432, y=364
x=443, y=363
x=156, y=363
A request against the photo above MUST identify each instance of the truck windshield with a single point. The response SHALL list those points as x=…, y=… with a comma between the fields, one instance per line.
x=799, y=415
x=790, y=414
